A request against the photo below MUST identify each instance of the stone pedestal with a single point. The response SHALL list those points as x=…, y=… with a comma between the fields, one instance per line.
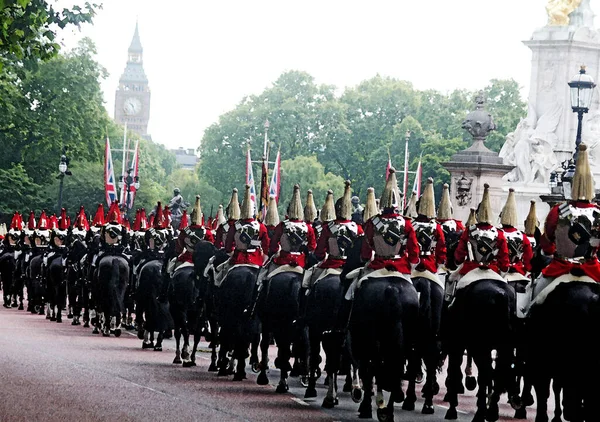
x=469, y=171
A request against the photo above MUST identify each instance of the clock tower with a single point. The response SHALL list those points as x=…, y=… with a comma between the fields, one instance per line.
x=132, y=98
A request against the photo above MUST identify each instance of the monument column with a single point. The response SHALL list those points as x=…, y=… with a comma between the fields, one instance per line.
x=471, y=168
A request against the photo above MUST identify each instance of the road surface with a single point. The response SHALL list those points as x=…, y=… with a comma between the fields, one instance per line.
x=58, y=372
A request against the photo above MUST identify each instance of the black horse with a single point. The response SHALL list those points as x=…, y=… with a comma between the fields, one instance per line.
x=383, y=324
x=56, y=287
x=481, y=320
x=238, y=327
x=36, y=289
x=563, y=337
x=77, y=287
x=278, y=311
x=427, y=341
x=151, y=311
x=7, y=269
x=112, y=280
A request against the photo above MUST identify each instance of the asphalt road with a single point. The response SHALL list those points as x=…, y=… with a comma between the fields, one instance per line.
x=57, y=372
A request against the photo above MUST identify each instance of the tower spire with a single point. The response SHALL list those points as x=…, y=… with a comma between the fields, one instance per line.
x=136, y=44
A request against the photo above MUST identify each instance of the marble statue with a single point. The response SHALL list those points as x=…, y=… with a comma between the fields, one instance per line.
x=591, y=137
x=559, y=11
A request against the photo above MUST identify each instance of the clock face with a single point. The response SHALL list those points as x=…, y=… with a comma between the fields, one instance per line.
x=132, y=106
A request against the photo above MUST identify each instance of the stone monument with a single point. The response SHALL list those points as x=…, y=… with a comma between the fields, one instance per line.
x=471, y=168
x=545, y=139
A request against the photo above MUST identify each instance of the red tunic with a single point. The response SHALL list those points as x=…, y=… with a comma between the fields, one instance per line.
x=253, y=257
x=432, y=262
x=410, y=253
x=459, y=225
x=219, y=244
x=290, y=258
x=323, y=245
x=523, y=266
x=558, y=267
x=501, y=263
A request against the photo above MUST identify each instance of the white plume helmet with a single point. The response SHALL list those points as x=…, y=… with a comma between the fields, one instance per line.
x=427, y=202
x=531, y=222
x=370, y=210
x=220, y=216
x=508, y=216
x=484, y=211
x=295, y=211
x=389, y=197
x=272, y=217
x=233, y=209
x=310, y=209
x=247, y=211
x=445, y=208
x=411, y=209
x=328, y=210
x=583, y=180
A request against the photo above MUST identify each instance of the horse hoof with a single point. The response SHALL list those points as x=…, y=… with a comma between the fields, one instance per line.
x=74, y=322
x=59, y=320
x=96, y=331
x=384, y=415
x=239, y=376
x=177, y=361
x=304, y=381
x=492, y=414
x=148, y=346
x=310, y=393
x=14, y=305
x=213, y=367
x=357, y=395
x=255, y=366
x=222, y=372
x=140, y=334
x=189, y=364
x=451, y=414
x=159, y=349
x=471, y=383
x=262, y=378
x=20, y=308
x=282, y=388
x=521, y=413
x=118, y=332
x=408, y=405
x=347, y=387
x=427, y=409
x=86, y=324
x=329, y=402
x=51, y=318
x=527, y=399
x=69, y=316
x=105, y=334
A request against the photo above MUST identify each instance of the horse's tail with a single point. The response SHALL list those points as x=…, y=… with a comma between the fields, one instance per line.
x=114, y=281
x=392, y=303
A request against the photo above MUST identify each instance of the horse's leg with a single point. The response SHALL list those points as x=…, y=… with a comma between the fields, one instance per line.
x=556, y=389
x=453, y=381
x=148, y=342
x=263, y=378
x=365, y=410
x=483, y=360
x=197, y=334
x=177, y=359
x=283, y=340
x=214, y=333
x=414, y=362
x=332, y=345
x=314, y=360
x=185, y=350
x=240, y=353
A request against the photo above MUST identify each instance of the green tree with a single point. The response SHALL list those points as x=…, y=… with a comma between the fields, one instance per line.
x=17, y=190
x=29, y=28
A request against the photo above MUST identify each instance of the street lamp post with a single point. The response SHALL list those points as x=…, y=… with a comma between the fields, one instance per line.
x=63, y=170
x=582, y=89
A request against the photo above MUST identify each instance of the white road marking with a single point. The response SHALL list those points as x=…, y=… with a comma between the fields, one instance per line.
x=446, y=407
x=302, y=402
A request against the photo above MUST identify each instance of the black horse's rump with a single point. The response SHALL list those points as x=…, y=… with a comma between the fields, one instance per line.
x=481, y=320
x=563, y=346
x=112, y=280
x=7, y=269
x=149, y=302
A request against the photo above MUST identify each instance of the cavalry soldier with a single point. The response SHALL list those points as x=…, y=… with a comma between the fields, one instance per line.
x=190, y=235
x=247, y=241
x=218, y=220
x=531, y=227
x=77, y=286
x=272, y=218
x=8, y=252
x=57, y=250
x=430, y=235
x=233, y=215
x=572, y=233
x=23, y=256
x=520, y=252
x=310, y=211
x=452, y=227
x=391, y=237
x=482, y=249
x=337, y=237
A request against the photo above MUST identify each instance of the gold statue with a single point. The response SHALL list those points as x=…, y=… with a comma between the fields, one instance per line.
x=559, y=11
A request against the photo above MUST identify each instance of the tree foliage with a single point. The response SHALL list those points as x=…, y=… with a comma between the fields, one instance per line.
x=351, y=135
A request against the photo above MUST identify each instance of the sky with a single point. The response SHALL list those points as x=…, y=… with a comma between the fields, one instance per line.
x=202, y=57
